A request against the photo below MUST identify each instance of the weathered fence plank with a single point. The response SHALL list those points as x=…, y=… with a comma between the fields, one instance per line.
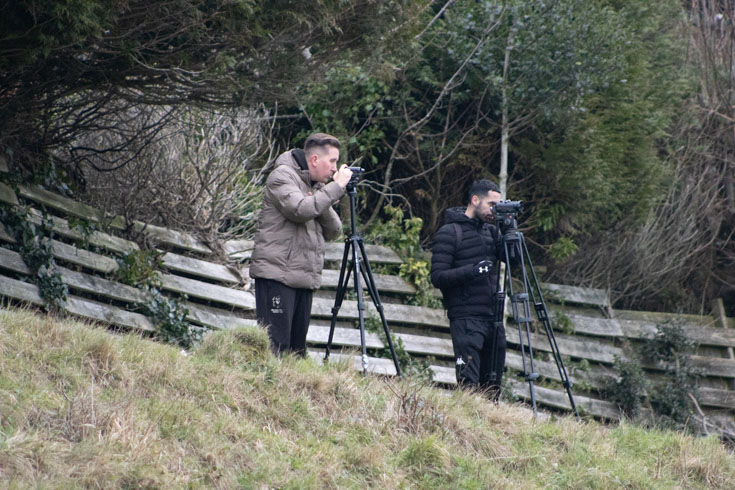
x=172, y=238
x=713, y=397
x=96, y=238
x=71, y=207
x=662, y=317
x=319, y=334
x=207, y=291
x=79, y=256
x=599, y=327
x=569, y=346
x=377, y=254
x=239, y=249
x=322, y=307
x=102, y=287
x=7, y=195
x=80, y=210
x=423, y=344
x=108, y=314
x=215, y=318
x=13, y=261
x=703, y=335
x=560, y=399
x=19, y=290
x=713, y=366
x=24, y=291
x=5, y=236
x=384, y=282
x=578, y=295
x=200, y=268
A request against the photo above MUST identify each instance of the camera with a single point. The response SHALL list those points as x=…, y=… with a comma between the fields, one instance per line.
x=508, y=207
x=356, y=176
x=505, y=213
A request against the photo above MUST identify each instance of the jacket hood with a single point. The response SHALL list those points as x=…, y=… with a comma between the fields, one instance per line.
x=297, y=160
x=300, y=157
x=456, y=215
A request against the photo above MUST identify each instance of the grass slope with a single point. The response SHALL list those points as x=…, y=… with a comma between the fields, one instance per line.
x=81, y=407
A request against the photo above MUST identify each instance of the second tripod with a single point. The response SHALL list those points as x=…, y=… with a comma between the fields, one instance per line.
x=515, y=251
x=356, y=257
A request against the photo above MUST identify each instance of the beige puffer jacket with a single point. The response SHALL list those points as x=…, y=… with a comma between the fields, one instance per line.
x=293, y=225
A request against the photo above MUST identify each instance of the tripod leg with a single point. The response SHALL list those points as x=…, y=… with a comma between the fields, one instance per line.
x=360, y=301
x=373, y=290
x=542, y=314
x=339, y=296
x=518, y=302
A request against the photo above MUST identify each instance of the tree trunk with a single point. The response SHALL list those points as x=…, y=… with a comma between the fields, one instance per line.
x=504, y=129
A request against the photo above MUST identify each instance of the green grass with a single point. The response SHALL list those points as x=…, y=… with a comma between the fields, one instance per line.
x=81, y=407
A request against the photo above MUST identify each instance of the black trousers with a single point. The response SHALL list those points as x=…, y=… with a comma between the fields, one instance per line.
x=285, y=312
x=479, y=350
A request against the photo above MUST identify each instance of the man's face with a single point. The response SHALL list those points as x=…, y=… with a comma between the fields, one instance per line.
x=484, y=206
x=323, y=163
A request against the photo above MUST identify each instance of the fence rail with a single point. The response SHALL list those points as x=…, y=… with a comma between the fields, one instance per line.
x=217, y=294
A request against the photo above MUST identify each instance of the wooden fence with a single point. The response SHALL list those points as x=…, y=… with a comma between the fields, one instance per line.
x=218, y=295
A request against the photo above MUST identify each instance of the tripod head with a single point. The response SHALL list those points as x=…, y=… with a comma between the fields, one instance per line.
x=505, y=213
x=356, y=176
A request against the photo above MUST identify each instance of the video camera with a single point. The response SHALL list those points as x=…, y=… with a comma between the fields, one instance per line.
x=506, y=212
x=356, y=176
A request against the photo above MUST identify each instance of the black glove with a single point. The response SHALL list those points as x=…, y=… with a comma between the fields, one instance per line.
x=482, y=268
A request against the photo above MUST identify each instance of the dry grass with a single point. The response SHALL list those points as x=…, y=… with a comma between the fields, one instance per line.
x=81, y=407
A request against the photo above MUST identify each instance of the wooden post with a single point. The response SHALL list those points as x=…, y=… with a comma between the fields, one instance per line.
x=720, y=316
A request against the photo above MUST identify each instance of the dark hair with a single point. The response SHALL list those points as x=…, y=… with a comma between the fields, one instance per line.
x=481, y=188
x=320, y=140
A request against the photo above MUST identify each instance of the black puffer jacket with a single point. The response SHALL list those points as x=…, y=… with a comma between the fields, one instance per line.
x=466, y=295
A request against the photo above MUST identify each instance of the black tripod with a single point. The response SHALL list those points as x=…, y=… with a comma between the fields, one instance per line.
x=515, y=249
x=352, y=243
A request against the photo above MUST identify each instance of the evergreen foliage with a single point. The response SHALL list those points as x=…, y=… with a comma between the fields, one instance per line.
x=584, y=111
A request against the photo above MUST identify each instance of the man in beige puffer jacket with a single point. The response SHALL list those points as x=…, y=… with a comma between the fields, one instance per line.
x=295, y=222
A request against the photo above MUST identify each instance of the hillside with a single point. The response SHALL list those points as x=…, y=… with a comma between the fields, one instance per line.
x=83, y=407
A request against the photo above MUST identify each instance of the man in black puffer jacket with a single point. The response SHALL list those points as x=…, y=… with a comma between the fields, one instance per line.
x=465, y=264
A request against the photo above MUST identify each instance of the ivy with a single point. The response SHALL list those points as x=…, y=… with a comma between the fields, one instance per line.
x=668, y=396
x=35, y=247
x=671, y=349
x=139, y=268
x=629, y=389
x=85, y=227
x=169, y=317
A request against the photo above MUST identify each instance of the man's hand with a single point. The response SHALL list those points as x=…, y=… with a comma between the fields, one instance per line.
x=482, y=268
x=343, y=176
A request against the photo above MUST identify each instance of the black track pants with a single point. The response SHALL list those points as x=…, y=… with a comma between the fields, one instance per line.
x=479, y=352
x=285, y=311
